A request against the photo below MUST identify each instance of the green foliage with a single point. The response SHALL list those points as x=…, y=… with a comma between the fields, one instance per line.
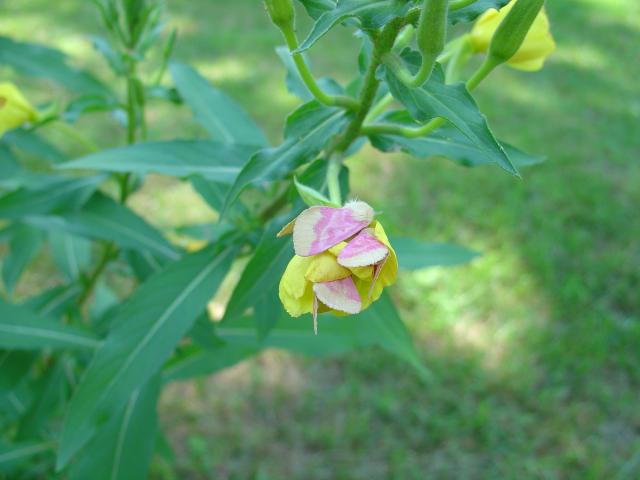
x=84, y=360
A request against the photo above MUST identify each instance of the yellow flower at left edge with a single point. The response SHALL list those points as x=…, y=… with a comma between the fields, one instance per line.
x=296, y=285
x=15, y=109
x=537, y=46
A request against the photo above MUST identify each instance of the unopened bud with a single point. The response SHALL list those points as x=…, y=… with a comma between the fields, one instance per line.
x=512, y=31
x=280, y=11
x=432, y=28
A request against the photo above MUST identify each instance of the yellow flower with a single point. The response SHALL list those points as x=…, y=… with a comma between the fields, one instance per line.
x=14, y=108
x=537, y=45
x=296, y=286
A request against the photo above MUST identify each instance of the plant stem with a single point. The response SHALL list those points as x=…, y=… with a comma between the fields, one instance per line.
x=411, y=132
x=308, y=79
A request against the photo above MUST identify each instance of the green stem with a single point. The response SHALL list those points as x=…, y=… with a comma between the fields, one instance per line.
x=379, y=107
x=308, y=79
x=481, y=73
x=410, y=132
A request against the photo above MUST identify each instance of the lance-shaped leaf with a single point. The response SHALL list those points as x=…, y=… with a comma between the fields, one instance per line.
x=22, y=329
x=307, y=131
x=24, y=245
x=220, y=116
x=473, y=11
x=453, y=102
x=40, y=61
x=71, y=253
x=123, y=448
x=34, y=146
x=14, y=367
x=50, y=195
x=379, y=325
x=54, y=301
x=315, y=8
x=177, y=158
x=370, y=15
x=144, y=331
x=414, y=254
x=197, y=361
x=14, y=455
x=449, y=142
x=105, y=219
x=260, y=278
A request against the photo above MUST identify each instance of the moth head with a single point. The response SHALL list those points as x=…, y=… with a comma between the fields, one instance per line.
x=361, y=211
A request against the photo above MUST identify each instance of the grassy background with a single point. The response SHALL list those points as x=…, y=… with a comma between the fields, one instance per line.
x=535, y=345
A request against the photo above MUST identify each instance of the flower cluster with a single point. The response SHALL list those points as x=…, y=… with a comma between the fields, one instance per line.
x=342, y=264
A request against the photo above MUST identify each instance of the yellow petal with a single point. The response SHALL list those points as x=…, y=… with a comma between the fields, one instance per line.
x=15, y=109
x=537, y=45
x=389, y=272
x=324, y=267
x=296, y=293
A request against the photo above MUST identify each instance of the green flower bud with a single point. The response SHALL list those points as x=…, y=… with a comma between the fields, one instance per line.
x=432, y=28
x=513, y=29
x=281, y=12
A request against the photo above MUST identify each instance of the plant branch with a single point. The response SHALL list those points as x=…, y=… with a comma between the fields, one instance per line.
x=308, y=79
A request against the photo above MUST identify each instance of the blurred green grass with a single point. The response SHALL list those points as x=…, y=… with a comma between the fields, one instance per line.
x=536, y=345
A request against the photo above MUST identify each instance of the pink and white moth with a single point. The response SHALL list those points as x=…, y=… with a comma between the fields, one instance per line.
x=317, y=229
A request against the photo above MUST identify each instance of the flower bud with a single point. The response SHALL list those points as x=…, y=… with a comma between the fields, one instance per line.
x=518, y=34
x=281, y=12
x=15, y=109
x=432, y=29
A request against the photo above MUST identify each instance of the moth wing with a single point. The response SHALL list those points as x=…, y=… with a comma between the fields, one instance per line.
x=364, y=249
x=339, y=295
x=319, y=228
x=287, y=229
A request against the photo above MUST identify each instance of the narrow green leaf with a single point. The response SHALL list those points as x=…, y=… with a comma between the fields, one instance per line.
x=14, y=367
x=22, y=329
x=261, y=276
x=449, y=142
x=197, y=361
x=104, y=218
x=307, y=132
x=54, y=302
x=40, y=61
x=221, y=117
x=315, y=8
x=414, y=254
x=56, y=194
x=177, y=158
x=123, y=448
x=25, y=243
x=19, y=453
x=311, y=196
x=144, y=331
x=453, y=102
x=72, y=254
x=379, y=325
x=35, y=147
x=370, y=14
x=49, y=394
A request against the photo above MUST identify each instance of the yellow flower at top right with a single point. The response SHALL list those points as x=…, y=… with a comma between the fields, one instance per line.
x=537, y=45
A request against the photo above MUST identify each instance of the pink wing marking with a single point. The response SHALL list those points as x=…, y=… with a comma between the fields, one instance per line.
x=376, y=273
x=364, y=249
x=340, y=295
x=319, y=228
